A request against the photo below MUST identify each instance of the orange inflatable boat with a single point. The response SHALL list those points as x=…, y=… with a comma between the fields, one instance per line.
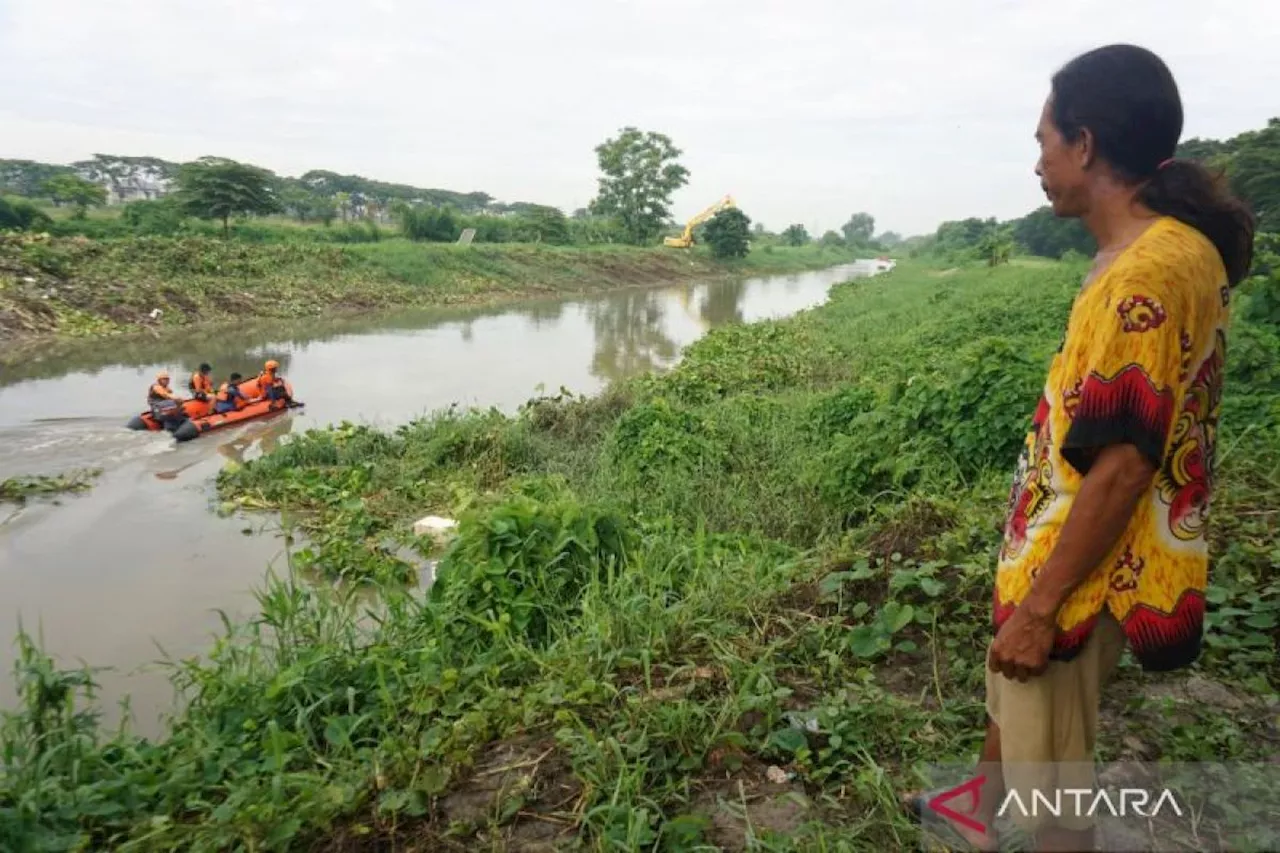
x=196, y=417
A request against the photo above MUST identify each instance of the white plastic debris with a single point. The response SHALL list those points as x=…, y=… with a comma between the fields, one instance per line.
x=777, y=775
x=155, y=313
x=434, y=526
x=805, y=721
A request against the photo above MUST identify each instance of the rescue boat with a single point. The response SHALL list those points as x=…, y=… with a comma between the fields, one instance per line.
x=196, y=417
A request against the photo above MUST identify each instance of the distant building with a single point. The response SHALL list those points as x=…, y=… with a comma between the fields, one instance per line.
x=134, y=189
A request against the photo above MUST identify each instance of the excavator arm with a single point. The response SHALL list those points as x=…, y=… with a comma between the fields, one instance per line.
x=685, y=240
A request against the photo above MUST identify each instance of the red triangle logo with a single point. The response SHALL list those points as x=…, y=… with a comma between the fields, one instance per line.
x=971, y=789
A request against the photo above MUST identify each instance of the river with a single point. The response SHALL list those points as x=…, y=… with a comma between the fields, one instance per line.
x=136, y=569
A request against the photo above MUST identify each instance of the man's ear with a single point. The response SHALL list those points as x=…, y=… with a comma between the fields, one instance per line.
x=1086, y=145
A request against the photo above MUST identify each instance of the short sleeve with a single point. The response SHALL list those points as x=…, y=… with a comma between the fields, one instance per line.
x=1131, y=372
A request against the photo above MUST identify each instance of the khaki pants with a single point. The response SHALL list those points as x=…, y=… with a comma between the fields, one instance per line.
x=1048, y=727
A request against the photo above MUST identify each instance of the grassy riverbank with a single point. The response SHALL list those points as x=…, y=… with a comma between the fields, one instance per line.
x=59, y=288
x=730, y=606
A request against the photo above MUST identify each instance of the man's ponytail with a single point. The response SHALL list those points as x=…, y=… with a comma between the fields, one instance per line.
x=1192, y=194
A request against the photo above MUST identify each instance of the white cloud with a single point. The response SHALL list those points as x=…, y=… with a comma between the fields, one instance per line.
x=915, y=110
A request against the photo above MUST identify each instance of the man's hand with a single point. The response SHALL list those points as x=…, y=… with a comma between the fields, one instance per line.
x=1021, y=648
x=1116, y=479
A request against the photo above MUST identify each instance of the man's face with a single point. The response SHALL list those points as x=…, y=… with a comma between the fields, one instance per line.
x=1061, y=166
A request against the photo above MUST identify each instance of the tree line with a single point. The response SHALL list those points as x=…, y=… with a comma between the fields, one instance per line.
x=1250, y=162
x=315, y=196
x=220, y=190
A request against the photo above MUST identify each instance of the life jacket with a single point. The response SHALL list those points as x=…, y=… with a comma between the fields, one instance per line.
x=224, y=392
x=158, y=392
x=200, y=384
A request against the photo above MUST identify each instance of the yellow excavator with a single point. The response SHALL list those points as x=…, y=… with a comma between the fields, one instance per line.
x=685, y=240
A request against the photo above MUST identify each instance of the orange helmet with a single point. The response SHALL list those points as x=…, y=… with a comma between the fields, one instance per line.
x=273, y=365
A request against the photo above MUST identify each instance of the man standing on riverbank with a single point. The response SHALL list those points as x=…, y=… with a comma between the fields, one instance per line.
x=1104, y=541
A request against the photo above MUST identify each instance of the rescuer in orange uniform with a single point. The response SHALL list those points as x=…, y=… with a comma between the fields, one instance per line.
x=201, y=384
x=164, y=404
x=270, y=383
x=160, y=390
x=229, y=397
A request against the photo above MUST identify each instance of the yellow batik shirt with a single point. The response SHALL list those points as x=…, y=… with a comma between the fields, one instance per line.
x=1142, y=363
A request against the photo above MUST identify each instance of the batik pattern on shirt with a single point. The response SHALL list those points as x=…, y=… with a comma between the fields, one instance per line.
x=1142, y=363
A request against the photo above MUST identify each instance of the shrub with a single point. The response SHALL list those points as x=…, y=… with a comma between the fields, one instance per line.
x=19, y=214
x=729, y=234
x=521, y=564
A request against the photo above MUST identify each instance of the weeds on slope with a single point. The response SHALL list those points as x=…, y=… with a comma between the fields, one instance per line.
x=81, y=288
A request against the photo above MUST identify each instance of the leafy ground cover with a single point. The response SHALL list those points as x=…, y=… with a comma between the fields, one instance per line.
x=733, y=606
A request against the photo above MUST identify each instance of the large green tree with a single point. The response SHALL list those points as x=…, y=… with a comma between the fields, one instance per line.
x=996, y=246
x=77, y=192
x=963, y=236
x=728, y=233
x=859, y=229
x=542, y=224
x=1043, y=233
x=795, y=235
x=217, y=188
x=639, y=173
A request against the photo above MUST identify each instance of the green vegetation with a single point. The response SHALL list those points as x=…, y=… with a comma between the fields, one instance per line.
x=858, y=230
x=19, y=214
x=316, y=195
x=20, y=489
x=76, y=191
x=728, y=233
x=80, y=289
x=639, y=174
x=240, y=197
x=729, y=606
x=795, y=235
x=537, y=224
x=428, y=223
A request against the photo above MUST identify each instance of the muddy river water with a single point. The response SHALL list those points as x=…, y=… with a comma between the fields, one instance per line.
x=135, y=570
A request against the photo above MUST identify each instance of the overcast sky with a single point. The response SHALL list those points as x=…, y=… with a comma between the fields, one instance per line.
x=916, y=111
